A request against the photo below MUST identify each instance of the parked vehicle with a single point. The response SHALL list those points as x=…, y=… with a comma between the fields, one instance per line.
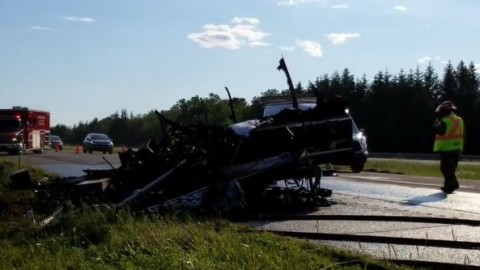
x=97, y=142
x=23, y=129
x=56, y=142
x=355, y=160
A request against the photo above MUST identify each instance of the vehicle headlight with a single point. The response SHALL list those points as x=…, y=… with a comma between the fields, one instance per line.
x=14, y=139
x=363, y=141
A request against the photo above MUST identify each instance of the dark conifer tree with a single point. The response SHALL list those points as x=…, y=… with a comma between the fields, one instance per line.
x=449, y=86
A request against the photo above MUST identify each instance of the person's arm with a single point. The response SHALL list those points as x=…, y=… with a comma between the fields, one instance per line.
x=440, y=127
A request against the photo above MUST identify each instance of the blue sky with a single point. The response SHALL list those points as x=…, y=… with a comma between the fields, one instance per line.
x=81, y=59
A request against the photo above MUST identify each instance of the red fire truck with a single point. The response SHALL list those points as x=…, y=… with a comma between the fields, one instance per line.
x=23, y=129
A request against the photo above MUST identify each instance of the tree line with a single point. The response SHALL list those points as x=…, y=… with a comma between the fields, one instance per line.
x=396, y=111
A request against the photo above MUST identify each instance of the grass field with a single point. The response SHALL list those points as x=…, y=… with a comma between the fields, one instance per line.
x=94, y=240
x=464, y=171
x=73, y=148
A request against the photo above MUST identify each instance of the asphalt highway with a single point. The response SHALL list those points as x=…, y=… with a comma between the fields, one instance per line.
x=65, y=163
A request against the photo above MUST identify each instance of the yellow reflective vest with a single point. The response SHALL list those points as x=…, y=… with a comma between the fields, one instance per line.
x=453, y=137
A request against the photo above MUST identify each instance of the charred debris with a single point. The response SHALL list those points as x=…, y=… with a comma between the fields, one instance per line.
x=243, y=167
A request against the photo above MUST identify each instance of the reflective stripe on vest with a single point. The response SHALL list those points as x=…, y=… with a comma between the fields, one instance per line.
x=453, y=137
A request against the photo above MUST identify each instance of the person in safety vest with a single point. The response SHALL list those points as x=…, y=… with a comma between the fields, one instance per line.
x=449, y=142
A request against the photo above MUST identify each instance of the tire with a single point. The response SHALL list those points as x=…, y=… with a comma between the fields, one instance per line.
x=17, y=151
x=84, y=150
x=90, y=151
x=357, y=167
x=110, y=151
x=104, y=152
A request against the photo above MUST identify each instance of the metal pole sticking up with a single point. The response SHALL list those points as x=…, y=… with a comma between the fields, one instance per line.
x=232, y=109
x=283, y=66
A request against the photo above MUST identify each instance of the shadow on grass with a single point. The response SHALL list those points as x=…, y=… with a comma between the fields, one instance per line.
x=435, y=197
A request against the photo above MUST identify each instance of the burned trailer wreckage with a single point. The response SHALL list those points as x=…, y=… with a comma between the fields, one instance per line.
x=247, y=165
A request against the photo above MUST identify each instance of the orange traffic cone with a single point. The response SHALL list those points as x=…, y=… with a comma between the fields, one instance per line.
x=77, y=150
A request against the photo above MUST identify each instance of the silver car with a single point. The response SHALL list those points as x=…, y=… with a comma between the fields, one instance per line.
x=97, y=142
x=56, y=142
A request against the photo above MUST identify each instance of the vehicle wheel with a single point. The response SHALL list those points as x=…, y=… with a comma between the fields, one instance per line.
x=16, y=152
x=356, y=167
x=85, y=150
x=60, y=148
x=110, y=151
x=104, y=152
x=90, y=151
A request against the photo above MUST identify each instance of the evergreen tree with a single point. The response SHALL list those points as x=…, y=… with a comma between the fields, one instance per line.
x=449, y=85
x=431, y=83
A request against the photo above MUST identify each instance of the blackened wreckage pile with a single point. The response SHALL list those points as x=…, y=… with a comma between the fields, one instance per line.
x=244, y=166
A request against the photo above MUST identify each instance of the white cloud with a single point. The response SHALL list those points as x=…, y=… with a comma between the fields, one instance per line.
x=424, y=60
x=285, y=48
x=231, y=36
x=427, y=59
x=400, y=8
x=238, y=20
x=342, y=6
x=310, y=47
x=297, y=2
x=341, y=38
x=41, y=28
x=477, y=68
x=79, y=19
